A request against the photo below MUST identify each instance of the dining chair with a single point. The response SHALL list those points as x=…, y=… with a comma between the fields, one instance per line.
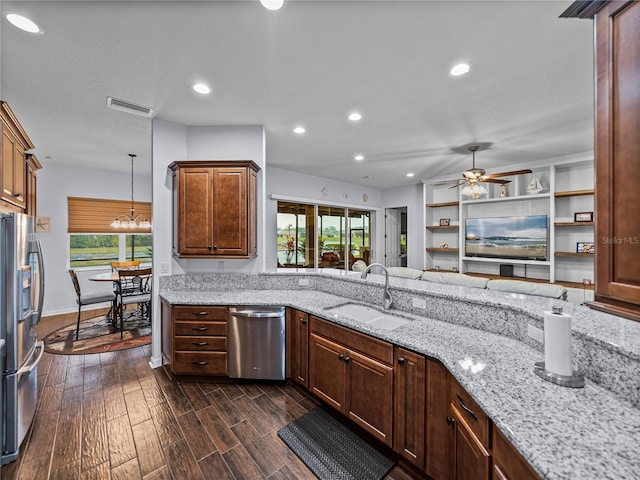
x=133, y=287
x=88, y=299
x=115, y=266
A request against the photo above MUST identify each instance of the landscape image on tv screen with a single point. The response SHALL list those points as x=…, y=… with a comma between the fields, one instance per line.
x=507, y=237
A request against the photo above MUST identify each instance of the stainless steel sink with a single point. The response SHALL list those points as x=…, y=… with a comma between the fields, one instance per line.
x=368, y=315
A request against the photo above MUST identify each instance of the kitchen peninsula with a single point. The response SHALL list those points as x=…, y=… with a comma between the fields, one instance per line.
x=481, y=339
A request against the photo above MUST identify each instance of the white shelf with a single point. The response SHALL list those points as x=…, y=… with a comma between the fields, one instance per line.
x=518, y=198
x=506, y=260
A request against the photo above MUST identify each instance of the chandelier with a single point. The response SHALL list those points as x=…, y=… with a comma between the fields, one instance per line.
x=132, y=220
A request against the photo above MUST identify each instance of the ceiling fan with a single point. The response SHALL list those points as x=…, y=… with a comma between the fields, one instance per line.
x=474, y=176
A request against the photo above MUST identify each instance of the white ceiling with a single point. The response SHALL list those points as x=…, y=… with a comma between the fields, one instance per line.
x=529, y=93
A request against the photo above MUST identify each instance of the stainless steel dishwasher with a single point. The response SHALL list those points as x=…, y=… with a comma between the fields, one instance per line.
x=256, y=342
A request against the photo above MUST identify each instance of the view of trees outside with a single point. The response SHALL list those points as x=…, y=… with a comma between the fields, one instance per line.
x=102, y=249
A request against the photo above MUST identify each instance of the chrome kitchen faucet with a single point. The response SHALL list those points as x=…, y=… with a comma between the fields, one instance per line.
x=387, y=300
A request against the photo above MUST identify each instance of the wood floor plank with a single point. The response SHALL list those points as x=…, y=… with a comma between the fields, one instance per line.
x=159, y=474
x=208, y=387
x=58, y=369
x=181, y=463
x=231, y=390
x=109, y=375
x=75, y=375
x=221, y=434
x=99, y=472
x=68, y=440
x=114, y=403
x=226, y=408
x=51, y=398
x=279, y=416
x=166, y=424
x=91, y=377
x=33, y=470
x=121, y=445
x=126, y=471
x=93, y=404
x=176, y=398
x=251, y=390
x=95, y=447
x=267, y=460
x=195, y=396
x=76, y=360
x=69, y=471
x=136, y=406
x=41, y=440
x=214, y=467
x=285, y=401
x=92, y=360
x=283, y=474
x=241, y=463
x=196, y=435
x=152, y=391
x=255, y=415
x=148, y=446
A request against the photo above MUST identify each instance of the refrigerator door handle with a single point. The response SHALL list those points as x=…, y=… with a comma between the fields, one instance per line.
x=37, y=312
x=27, y=369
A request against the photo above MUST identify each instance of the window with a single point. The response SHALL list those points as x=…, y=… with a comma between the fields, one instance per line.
x=310, y=236
x=99, y=250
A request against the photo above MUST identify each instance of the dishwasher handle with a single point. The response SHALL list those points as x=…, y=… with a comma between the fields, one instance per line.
x=254, y=314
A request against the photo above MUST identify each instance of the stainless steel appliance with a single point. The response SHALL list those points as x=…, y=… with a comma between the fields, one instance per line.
x=256, y=342
x=22, y=292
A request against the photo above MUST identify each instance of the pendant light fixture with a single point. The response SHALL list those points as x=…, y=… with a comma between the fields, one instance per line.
x=132, y=220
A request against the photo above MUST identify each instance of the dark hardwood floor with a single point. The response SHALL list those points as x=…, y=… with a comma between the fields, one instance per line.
x=110, y=416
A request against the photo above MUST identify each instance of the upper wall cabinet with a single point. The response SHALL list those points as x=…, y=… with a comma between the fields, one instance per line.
x=13, y=169
x=215, y=209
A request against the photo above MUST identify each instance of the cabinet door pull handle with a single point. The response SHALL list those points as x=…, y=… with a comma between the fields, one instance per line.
x=200, y=314
x=303, y=321
x=199, y=344
x=451, y=420
x=209, y=247
x=465, y=408
x=200, y=329
x=341, y=357
x=347, y=359
x=200, y=363
x=215, y=247
x=401, y=360
x=18, y=195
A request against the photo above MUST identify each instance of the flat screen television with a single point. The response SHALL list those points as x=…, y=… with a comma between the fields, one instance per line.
x=524, y=237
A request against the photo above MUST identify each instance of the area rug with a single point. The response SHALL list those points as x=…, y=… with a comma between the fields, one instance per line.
x=331, y=450
x=97, y=336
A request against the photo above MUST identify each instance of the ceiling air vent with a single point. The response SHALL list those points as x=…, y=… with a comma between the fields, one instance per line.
x=129, y=107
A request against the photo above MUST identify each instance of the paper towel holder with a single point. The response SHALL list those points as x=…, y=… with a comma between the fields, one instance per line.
x=574, y=381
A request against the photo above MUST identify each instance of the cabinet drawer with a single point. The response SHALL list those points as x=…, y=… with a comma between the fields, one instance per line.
x=200, y=328
x=201, y=344
x=474, y=416
x=362, y=343
x=204, y=363
x=200, y=313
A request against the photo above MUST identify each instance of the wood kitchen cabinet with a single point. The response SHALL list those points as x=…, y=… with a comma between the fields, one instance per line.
x=508, y=464
x=215, y=209
x=410, y=405
x=13, y=168
x=353, y=373
x=439, y=434
x=33, y=165
x=298, y=346
x=194, y=339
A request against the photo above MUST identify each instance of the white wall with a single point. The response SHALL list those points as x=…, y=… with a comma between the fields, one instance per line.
x=410, y=197
x=311, y=189
x=55, y=184
x=171, y=142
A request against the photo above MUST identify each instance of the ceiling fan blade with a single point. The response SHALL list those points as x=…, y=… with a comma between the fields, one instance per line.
x=507, y=174
x=462, y=182
x=444, y=182
x=495, y=180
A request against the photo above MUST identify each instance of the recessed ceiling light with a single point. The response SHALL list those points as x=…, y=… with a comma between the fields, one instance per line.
x=460, y=69
x=24, y=23
x=409, y=174
x=299, y=130
x=358, y=158
x=272, y=4
x=202, y=89
x=367, y=176
x=355, y=116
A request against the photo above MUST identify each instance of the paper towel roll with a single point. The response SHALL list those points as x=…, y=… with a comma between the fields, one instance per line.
x=557, y=343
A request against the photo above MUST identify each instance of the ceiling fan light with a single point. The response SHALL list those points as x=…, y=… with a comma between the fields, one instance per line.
x=474, y=191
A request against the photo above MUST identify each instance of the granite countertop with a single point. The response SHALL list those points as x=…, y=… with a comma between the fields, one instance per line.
x=564, y=433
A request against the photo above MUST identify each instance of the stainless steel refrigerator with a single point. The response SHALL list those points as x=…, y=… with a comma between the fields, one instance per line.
x=21, y=291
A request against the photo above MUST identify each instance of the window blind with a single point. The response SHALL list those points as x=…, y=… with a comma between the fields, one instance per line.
x=94, y=215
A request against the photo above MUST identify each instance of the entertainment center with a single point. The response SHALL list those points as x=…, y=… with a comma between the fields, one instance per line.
x=567, y=202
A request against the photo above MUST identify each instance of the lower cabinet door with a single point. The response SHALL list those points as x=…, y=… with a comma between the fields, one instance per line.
x=327, y=379
x=472, y=460
x=369, y=401
x=200, y=363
